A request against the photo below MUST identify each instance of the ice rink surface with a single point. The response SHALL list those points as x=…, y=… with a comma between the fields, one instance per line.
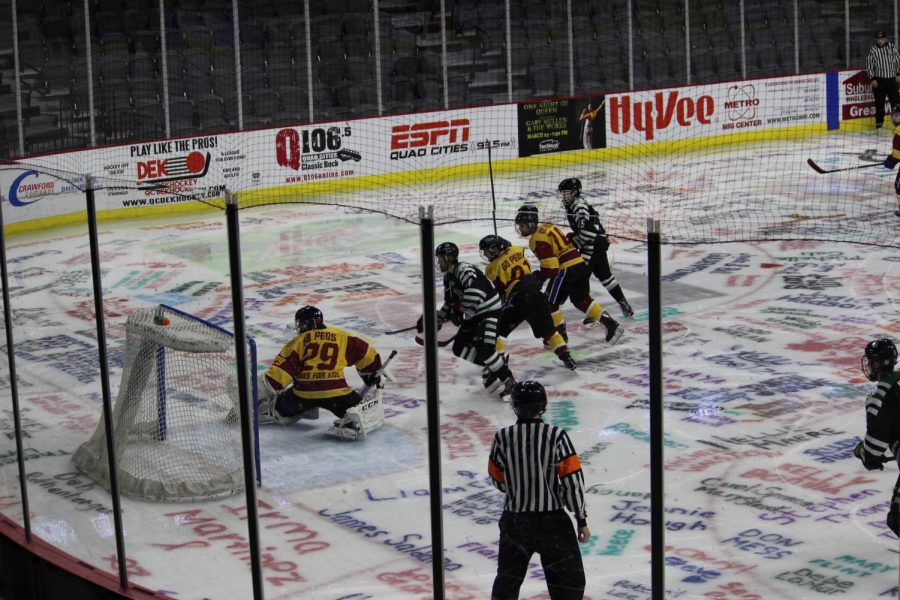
x=764, y=395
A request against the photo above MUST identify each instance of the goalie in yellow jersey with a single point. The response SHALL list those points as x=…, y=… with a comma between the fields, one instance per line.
x=566, y=271
x=520, y=290
x=308, y=374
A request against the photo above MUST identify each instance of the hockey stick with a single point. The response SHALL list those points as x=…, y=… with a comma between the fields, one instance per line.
x=440, y=343
x=396, y=331
x=819, y=169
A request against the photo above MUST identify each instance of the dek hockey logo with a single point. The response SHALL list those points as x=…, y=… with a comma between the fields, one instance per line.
x=191, y=166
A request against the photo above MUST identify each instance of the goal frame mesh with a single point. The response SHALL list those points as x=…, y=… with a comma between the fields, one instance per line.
x=162, y=425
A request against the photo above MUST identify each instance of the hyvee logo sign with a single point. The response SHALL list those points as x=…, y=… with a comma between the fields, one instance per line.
x=435, y=137
x=659, y=113
x=159, y=170
x=312, y=149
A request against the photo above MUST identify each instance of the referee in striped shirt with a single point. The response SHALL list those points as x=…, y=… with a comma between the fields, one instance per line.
x=883, y=67
x=537, y=468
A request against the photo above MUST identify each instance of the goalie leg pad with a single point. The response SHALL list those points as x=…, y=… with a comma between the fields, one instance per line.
x=268, y=413
x=361, y=419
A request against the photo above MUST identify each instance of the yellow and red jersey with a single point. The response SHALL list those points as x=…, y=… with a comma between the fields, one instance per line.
x=507, y=270
x=895, y=147
x=313, y=363
x=553, y=249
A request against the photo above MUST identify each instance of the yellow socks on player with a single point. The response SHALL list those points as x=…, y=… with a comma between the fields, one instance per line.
x=558, y=318
x=554, y=341
x=594, y=311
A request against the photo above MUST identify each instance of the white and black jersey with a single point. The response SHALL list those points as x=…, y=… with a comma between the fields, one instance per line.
x=585, y=223
x=883, y=61
x=535, y=464
x=883, y=418
x=469, y=292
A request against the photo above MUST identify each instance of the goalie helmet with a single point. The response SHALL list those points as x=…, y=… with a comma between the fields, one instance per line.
x=446, y=254
x=528, y=399
x=879, y=358
x=527, y=220
x=569, y=189
x=492, y=246
x=308, y=317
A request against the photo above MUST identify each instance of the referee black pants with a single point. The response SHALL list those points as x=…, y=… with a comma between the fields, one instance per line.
x=887, y=86
x=552, y=536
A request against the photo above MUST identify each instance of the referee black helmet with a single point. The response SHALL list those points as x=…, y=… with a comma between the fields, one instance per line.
x=529, y=399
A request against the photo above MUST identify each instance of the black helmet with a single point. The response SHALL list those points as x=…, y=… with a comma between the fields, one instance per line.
x=527, y=219
x=879, y=358
x=492, y=246
x=529, y=399
x=569, y=189
x=308, y=317
x=447, y=251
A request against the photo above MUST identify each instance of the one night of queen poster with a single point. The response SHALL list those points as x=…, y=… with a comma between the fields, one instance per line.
x=560, y=125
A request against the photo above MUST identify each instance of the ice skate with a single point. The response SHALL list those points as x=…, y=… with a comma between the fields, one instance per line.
x=614, y=331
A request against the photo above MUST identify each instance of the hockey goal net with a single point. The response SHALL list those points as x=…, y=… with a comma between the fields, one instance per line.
x=176, y=420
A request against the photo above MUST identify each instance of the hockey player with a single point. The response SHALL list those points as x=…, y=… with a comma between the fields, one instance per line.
x=882, y=440
x=308, y=374
x=520, y=290
x=566, y=271
x=894, y=157
x=471, y=302
x=589, y=237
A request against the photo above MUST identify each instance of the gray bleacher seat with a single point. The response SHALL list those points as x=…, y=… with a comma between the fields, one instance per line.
x=265, y=102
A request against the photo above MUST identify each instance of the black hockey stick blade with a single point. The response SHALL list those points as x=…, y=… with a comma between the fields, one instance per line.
x=819, y=169
x=440, y=343
x=396, y=331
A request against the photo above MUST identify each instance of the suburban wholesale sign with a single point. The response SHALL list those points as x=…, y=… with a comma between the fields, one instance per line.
x=856, y=97
x=696, y=111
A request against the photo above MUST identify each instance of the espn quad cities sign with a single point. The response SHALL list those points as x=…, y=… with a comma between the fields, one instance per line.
x=444, y=136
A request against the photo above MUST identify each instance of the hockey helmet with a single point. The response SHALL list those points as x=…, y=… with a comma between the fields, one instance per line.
x=569, y=189
x=446, y=254
x=308, y=317
x=492, y=246
x=528, y=399
x=880, y=357
x=527, y=220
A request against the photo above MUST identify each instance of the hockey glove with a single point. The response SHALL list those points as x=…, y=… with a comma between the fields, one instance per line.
x=372, y=380
x=420, y=324
x=457, y=318
x=870, y=462
x=889, y=162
